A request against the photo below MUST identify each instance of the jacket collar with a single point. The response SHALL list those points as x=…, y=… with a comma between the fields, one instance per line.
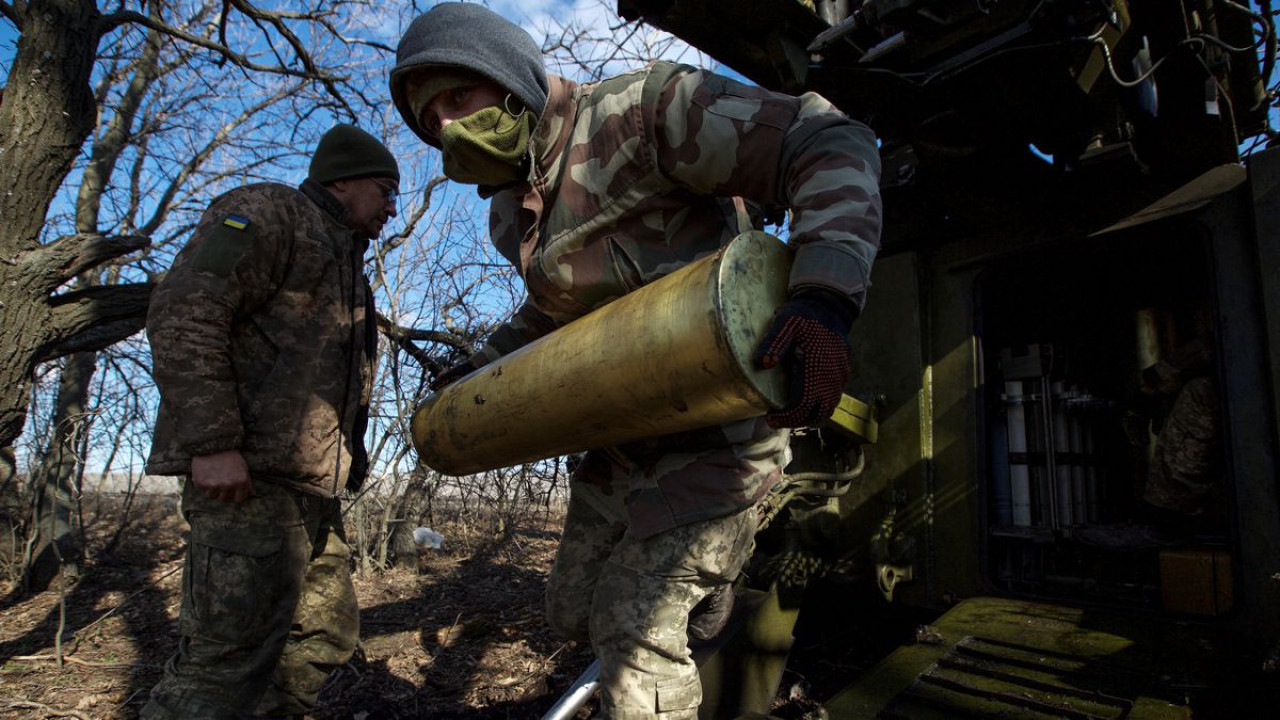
x=550, y=135
x=556, y=125
x=319, y=195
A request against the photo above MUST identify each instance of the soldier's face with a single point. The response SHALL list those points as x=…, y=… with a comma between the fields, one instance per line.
x=459, y=102
x=370, y=202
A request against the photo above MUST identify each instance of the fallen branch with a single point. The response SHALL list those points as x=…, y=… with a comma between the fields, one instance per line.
x=77, y=661
x=553, y=655
x=62, y=613
x=48, y=711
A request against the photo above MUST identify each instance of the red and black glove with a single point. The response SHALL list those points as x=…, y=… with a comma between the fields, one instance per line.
x=455, y=372
x=809, y=339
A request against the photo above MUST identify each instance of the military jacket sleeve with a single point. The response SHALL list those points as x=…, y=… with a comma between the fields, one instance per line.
x=722, y=137
x=641, y=174
x=228, y=267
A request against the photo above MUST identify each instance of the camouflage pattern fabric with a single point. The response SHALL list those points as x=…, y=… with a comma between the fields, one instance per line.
x=631, y=597
x=631, y=179
x=639, y=175
x=1191, y=360
x=262, y=339
x=268, y=607
x=673, y=480
x=1187, y=464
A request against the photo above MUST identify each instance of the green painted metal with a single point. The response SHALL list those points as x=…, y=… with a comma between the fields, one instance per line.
x=991, y=657
x=742, y=677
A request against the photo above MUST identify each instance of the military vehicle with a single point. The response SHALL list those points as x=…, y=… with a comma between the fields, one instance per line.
x=1072, y=194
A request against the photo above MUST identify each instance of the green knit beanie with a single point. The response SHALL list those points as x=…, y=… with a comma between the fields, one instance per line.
x=346, y=152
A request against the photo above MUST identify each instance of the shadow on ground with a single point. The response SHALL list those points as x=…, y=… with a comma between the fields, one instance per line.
x=114, y=626
x=464, y=637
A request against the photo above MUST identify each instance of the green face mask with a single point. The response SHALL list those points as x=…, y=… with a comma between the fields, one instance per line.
x=487, y=147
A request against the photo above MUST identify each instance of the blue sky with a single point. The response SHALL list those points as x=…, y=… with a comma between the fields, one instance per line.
x=8, y=42
x=533, y=15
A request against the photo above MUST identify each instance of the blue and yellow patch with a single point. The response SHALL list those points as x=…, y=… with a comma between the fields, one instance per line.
x=218, y=249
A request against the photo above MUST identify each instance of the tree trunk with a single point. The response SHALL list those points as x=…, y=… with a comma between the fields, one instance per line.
x=46, y=115
x=56, y=546
x=55, y=486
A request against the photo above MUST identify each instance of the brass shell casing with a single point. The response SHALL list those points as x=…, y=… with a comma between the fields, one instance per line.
x=674, y=355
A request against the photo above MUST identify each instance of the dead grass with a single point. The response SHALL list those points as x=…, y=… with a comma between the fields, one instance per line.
x=460, y=637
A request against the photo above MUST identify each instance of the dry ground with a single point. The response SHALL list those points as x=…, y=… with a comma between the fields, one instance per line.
x=462, y=637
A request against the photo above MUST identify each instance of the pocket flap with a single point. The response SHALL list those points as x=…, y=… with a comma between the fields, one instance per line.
x=248, y=540
x=679, y=693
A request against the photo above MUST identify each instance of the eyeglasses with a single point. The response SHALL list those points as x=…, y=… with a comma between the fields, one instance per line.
x=389, y=191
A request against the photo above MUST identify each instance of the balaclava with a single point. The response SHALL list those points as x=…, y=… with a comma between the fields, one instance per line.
x=438, y=51
x=487, y=147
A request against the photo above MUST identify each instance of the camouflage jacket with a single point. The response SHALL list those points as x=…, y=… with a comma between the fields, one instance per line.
x=263, y=340
x=639, y=175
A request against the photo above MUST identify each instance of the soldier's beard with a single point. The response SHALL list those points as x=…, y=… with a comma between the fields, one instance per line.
x=370, y=230
x=487, y=147
x=366, y=229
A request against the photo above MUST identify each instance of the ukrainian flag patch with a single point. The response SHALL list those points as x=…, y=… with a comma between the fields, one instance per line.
x=239, y=222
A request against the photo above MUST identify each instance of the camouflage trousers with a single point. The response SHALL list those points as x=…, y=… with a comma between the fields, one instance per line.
x=1186, y=464
x=631, y=598
x=268, y=607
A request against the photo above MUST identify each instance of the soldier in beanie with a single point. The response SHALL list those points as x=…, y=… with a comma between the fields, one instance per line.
x=263, y=339
x=598, y=189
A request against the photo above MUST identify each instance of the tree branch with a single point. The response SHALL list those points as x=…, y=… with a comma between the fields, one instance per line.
x=398, y=239
x=433, y=366
x=220, y=138
x=107, y=23
x=68, y=256
x=11, y=13
x=112, y=143
x=440, y=337
x=404, y=339
x=94, y=318
x=353, y=41
x=276, y=20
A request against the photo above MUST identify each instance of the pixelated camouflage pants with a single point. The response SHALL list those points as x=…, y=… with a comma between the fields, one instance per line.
x=631, y=597
x=268, y=607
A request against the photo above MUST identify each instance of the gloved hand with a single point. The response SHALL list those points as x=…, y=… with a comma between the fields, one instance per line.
x=809, y=338
x=448, y=375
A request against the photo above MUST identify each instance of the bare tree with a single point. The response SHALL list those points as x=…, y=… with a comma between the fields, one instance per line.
x=161, y=127
x=47, y=114
x=156, y=154
x=441, y=289
x=52, y=544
